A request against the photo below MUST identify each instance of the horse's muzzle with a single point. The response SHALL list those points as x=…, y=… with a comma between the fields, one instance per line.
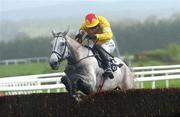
x=53, y=61
x=54, y=65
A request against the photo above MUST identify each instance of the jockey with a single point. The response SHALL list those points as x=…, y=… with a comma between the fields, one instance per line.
x=99, y=31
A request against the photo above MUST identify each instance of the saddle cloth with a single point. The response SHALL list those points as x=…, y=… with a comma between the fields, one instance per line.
x=113, y=60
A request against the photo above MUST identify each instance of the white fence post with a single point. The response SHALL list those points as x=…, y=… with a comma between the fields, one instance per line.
x=153, y=84
x=142, y=85
x=167, y=83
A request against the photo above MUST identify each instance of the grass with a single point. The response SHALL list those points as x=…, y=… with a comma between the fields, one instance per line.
x=26, y=69
x=162, y=84
x=147, y=63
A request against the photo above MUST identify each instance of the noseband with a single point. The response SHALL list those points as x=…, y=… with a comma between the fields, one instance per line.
x=60, y=56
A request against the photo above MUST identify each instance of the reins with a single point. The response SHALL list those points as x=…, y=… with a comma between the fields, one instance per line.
x=84, y=57
x=101, y=85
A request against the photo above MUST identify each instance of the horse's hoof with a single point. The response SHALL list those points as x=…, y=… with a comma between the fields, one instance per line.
x=77, y=98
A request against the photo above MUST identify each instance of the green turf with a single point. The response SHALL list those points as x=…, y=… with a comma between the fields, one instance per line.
x=26, y=69
x=162, y=84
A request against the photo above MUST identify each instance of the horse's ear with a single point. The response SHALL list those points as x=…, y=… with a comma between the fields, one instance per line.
x=66, y=31
x=53, y=33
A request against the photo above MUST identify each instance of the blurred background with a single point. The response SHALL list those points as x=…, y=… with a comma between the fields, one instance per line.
x=147, y=32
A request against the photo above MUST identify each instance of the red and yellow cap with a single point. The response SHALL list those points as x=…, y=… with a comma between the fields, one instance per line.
x=91, y=20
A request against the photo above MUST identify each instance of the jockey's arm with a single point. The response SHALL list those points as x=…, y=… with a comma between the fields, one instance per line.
x=78, y=38
x=106, y=30
x=104, y=36
x=81, y=33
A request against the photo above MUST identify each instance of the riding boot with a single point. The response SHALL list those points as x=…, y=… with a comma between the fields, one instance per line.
x=105, y=61
x=108, y=71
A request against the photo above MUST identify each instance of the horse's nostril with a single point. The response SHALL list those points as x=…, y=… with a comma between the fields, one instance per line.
x=54, y=65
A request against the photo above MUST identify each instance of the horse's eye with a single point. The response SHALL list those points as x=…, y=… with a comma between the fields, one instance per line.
x=62, y=44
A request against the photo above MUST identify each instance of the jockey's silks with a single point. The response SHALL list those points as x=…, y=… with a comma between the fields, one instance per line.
x=104, y=34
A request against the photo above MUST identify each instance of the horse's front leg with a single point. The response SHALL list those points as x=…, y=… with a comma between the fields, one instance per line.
x=84, y=87
x=66, y=81
x=71, y=86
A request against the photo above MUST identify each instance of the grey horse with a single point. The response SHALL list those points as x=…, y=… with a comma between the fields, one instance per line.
x=82, y=71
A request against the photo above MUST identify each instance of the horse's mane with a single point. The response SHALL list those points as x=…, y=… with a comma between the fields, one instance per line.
x=73, y=41
x=76, y=43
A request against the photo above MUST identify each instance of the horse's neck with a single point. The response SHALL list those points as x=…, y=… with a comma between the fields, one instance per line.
x=77, y=51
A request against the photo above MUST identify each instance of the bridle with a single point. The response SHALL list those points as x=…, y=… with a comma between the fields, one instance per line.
x=59, y=55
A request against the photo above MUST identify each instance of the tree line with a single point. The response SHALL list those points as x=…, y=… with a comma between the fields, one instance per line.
x=147, y=35
x=132, y=37
x=25, y=47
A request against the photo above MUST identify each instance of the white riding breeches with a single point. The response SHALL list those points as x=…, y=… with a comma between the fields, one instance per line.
x=109, y=46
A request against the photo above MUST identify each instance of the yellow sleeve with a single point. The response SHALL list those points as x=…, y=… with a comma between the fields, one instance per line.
x=104, y=36
x=106, y=29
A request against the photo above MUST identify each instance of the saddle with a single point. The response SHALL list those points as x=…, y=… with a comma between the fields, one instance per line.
x=113, y=63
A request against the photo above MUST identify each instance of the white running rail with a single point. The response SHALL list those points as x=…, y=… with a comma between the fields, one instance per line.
x=32, y=84
x=156, y=73
x=24, y=60
x=47, y=82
